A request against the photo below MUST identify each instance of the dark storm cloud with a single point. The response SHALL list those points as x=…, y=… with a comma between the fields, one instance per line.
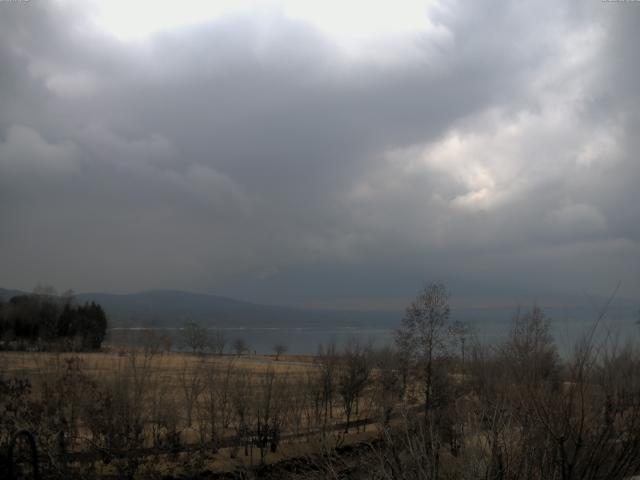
x=251, y=155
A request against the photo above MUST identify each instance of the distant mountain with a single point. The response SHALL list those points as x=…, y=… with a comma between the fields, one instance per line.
x=171, y=308
x=6, y=294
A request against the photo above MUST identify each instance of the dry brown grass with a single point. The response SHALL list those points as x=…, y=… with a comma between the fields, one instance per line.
x=28, y=363
x=165, y=375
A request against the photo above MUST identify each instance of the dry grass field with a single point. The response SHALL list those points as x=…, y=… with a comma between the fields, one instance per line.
x=182, y=413
x=169, y=363
x=516, y=410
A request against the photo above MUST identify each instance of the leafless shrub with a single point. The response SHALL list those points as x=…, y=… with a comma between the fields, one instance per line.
x=195, y=337
x=241, y=404
x=269, y=412
x=388, y=389
x=191, y=385
x=240, y=346
x=279, y=349
x=325, y=388
x=218, y=342
x=354, y=376
x=116, y=412
x=215, y=408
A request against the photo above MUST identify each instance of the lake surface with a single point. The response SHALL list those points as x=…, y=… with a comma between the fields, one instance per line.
x=305, y=340
x=302, y=341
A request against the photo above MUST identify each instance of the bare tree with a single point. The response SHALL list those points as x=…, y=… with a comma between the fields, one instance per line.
x=191, y=384
x=240, y=346
x=354, y=377
x=530, y=350
x=388, y=384
x=242, y=408
x=215, y=410
x=218, y=342
x=423, y=335
x=423, y=338
x=327, y=358
x=460, y=332
x=194, y=336
x=150, y=341
x=279, y=349
x=269, y=411
x=117, y=412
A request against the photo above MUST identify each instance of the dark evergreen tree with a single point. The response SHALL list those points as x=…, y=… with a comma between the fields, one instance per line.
x=52, y=322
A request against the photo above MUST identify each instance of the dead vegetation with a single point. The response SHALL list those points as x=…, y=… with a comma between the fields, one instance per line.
x=440, y=405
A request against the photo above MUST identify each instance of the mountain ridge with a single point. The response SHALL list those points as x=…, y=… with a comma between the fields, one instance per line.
x=173, y=308
x=170, y=308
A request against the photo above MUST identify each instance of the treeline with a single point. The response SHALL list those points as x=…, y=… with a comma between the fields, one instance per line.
x=44, y=320
x=513, y=409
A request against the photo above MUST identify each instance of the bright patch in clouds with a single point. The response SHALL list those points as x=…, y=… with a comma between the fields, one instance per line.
x=358, y=18
x=127, y=20
x=345, y=21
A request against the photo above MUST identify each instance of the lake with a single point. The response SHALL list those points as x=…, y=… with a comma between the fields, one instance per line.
x=305, y=340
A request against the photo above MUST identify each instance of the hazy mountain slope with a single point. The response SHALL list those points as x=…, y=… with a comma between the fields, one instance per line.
x=173, y=308
x=6, y=294
x=169, y=308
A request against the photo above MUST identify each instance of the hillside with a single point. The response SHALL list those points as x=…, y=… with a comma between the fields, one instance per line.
x=171, y=308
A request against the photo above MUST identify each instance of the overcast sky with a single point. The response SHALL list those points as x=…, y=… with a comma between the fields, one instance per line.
x=320, y=153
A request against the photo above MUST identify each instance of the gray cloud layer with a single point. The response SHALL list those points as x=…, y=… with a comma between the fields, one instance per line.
x=251, y=156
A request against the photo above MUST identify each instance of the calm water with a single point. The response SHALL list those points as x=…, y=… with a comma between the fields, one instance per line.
x=306, y=340
x=301, y=341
